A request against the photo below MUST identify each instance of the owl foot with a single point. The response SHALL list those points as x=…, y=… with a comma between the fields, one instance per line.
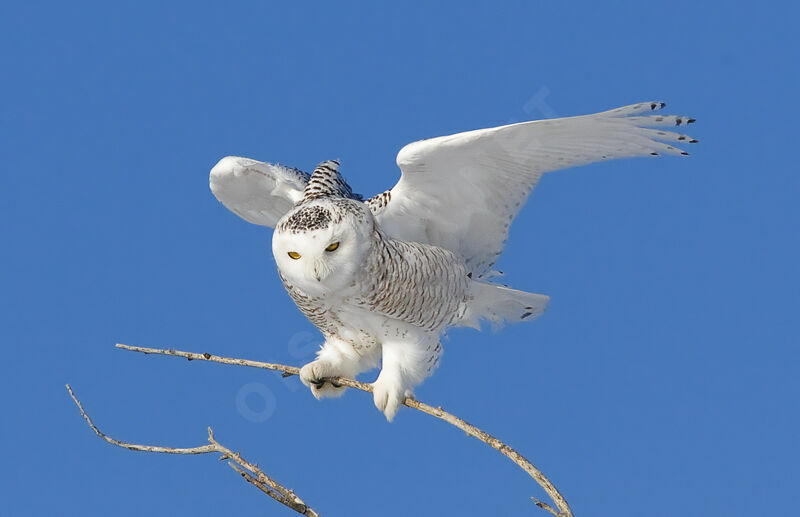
x=389, y=393
x=315, y=375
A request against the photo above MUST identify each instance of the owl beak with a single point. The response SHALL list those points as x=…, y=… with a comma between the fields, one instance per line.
x=321, y=270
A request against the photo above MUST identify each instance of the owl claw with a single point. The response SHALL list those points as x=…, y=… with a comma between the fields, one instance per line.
x=389, y=394
x=316, y=375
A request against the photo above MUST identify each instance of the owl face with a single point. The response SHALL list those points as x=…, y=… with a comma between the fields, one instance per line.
x=321, y=246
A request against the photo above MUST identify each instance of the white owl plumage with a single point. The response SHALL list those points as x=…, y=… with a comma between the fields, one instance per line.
x=383, y=278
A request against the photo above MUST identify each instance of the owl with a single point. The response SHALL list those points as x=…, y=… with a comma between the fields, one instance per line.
x=383, y=278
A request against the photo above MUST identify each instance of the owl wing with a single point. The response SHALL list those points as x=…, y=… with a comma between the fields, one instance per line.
x=461, y=192
x=258, y=192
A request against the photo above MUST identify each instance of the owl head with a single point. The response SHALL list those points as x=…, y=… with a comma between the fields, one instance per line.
x=320, y=245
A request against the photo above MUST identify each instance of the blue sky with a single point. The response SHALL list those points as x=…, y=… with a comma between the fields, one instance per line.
x=663, y=379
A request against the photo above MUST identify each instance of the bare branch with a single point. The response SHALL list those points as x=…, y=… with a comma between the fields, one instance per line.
x=250, y=472
x=288, y=371
x=563, y=509
x=250, y=479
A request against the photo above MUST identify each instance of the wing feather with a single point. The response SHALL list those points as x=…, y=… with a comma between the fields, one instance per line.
x=462, y=191
x=258, y=192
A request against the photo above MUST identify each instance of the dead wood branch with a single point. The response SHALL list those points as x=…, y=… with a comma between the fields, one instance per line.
x=249, y=471
x=562, y=510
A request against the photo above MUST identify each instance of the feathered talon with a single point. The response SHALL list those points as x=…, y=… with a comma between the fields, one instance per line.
x=317, y=376
x=322, y=382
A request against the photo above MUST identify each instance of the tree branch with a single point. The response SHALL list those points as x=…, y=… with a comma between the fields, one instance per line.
x=250, y=472
x=563, y=509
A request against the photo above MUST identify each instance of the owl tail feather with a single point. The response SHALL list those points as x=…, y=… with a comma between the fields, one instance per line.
x=498, y=304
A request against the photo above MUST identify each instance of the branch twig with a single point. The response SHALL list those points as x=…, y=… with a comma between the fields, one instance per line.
x=250, y=472
x=563, y=509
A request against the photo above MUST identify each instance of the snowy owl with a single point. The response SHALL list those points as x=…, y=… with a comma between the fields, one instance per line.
x=383, y=278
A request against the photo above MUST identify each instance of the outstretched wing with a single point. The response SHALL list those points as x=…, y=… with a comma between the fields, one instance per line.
x=258, y=192
x=461, y=192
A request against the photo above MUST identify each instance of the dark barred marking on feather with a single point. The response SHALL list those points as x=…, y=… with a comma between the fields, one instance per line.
x=378, y=202
x=307, y=218
x=327, y=182
x=425, y=286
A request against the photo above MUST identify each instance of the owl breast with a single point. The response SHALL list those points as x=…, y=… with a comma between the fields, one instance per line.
x=425, y=286
x=401, y=287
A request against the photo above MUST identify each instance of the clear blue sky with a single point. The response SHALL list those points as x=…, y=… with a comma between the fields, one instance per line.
x=663, y=380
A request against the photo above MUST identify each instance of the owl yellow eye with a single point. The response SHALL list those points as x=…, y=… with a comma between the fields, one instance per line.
x=294, y=255
x=332, y=247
